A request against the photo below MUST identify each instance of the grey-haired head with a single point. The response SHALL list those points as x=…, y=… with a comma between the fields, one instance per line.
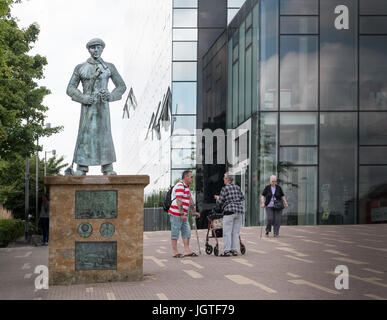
x=229, y=177
x=95, y=42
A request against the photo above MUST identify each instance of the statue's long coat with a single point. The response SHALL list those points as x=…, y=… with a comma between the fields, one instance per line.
x=94, y=143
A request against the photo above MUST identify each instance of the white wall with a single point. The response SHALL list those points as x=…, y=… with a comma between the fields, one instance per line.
x=148, y=70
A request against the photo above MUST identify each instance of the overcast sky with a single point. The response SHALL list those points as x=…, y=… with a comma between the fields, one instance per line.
x=65, y=28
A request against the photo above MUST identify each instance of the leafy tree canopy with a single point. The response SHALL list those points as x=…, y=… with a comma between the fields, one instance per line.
x=21, y=110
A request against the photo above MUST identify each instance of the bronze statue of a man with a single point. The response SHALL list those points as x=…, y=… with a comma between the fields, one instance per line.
x=94, y=143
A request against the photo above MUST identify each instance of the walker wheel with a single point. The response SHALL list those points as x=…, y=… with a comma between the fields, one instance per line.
x=216, y=250
x=208, y=249
x=243, y=248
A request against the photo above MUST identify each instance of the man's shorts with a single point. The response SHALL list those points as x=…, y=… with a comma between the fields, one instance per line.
x=178, y=225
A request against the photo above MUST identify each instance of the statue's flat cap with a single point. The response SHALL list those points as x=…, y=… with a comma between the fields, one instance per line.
x=95, y=42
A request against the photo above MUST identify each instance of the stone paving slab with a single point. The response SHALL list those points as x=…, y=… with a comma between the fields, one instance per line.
x=300, y=265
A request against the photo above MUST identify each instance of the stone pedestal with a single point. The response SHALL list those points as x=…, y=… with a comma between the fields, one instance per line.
x=96, y=228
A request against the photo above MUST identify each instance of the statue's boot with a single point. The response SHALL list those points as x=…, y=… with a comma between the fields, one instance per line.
x=107, y=170
x=81, y=170
x=110, y=173
x=79, y=173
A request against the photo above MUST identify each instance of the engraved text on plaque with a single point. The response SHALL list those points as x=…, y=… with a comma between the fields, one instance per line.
x=95, y=204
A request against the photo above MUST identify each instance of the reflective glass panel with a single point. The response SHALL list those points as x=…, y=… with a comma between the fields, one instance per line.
x=183, y=158
x=235, y=96
x=241, y=145
x=249, y=20
x=176, y=176
x=235, y=3
x=299, y=73
x=295, y=7
x=248, y=94
x=338, y=167
x=255, y=202
x=299, y=25
x=373, y=155
x=249, y=37
x=256, y=58
x=268, y=146
x=183, y=142
x=212, y=14
x=373, y=25
x=184, y=98
x=338, y=58
x=373, y=194
x=185, y=34
x=231, y=13
x=373, y=128
x=229, y=112
x=185, y=3
x=242, y=73
x=373, y=72
x=184, y=71
x=184, y=51
x=298, y=128
x=183, y=125
x=269, y=55
x=235, y=53
x=373, y=7
x=300, y=188
x=298, y=155
x=185, y=17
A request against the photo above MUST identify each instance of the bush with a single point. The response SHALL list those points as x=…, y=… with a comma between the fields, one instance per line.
x=10, y=230
x=155, y=199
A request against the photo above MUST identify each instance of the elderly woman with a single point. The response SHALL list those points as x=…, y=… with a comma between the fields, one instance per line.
x=230, y=199
x=270, y=195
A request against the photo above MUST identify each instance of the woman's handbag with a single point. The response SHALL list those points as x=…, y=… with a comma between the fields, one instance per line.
x=279, y=205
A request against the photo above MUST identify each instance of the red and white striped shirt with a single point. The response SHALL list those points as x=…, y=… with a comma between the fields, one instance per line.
x=180, y=191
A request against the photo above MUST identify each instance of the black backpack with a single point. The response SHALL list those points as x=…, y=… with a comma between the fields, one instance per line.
x=168, y=199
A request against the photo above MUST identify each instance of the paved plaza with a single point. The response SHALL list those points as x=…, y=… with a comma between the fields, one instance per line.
x=300, y=264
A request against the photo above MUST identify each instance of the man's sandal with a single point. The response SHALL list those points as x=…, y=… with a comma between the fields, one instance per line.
x=178, y=255
x=192, y=254
x=226, y=254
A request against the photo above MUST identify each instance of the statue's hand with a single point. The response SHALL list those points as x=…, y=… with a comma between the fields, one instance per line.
x=91, y=100
x=105, y=95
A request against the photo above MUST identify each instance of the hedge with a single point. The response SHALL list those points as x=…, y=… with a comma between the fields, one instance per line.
x=10, y=230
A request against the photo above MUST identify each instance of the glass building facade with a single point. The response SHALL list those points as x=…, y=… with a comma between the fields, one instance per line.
x=165, y=69
x=184, y=86
x=196, y=25
x=300, y=83
x=307, y=80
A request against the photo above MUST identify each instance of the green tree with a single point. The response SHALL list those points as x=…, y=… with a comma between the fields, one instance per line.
x=155, y=199
x=12, y=182
x=21, y=110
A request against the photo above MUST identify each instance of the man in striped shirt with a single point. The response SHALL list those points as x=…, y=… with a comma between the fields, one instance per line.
x=178, y=213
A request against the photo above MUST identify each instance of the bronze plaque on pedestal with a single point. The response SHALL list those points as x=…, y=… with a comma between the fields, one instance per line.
x=96, y=255
x=96, y=204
